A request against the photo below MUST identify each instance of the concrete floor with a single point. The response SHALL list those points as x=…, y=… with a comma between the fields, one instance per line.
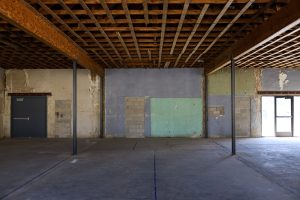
x=265, y=168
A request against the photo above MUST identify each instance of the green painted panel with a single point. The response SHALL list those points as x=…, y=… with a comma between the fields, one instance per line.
x=176, y=117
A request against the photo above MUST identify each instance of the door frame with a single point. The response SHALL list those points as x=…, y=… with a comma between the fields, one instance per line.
x=282, y=134
x=24, y=96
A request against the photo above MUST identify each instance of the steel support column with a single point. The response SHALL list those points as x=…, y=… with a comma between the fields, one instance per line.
x=74, y=108
x=233, y=147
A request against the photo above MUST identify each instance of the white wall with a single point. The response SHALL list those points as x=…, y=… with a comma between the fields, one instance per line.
x=59, y=83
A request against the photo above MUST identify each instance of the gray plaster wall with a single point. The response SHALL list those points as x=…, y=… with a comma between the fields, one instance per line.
x=280, y=79
x=247, y=81
x=2, y=90
x=147, y=83
x=59, y=83
x=219, y=126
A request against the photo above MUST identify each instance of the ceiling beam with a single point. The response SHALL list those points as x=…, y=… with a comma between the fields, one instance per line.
x=182, y=17
x=108, y=13
x=212, y=26
x=280, y=22
x=83, y=4
x=158, y=1
x=163, y=28
x=224, y=31
x=125, y=7
x=203, y=11
x=23, y=16
x=146, y=15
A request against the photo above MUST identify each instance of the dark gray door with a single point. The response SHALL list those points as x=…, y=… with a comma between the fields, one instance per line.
x=29, y=116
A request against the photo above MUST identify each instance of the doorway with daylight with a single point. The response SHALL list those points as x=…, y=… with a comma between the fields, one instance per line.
x=280, y=115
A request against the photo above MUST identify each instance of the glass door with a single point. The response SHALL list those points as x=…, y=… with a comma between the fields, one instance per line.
x=284, y=116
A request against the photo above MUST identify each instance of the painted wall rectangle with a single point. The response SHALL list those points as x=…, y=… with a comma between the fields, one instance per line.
x=176, y=117
x=148, y=83
x=135, y=117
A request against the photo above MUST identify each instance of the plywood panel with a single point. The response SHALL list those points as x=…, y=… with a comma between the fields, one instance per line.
x=176, y=117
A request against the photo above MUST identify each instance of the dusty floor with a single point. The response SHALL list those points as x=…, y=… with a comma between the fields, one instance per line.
x=265, y=168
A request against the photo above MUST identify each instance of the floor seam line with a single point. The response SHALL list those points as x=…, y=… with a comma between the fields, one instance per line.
x=33, y=179
x=258, y=170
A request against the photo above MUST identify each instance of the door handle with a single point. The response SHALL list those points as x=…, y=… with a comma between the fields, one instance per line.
x=21, y=118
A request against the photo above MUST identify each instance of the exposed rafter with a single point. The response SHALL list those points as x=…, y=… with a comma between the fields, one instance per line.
x=125, y=7
x=212, y=26
x=182, y=17
x=163, y=28
x=225, y=30
x=285, y=19
x=203, y=11
x=18, y=13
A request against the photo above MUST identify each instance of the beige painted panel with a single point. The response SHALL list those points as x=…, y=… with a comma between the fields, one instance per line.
x=63, y=115
x=59, y=83
x=135, y=117
x=242, y=116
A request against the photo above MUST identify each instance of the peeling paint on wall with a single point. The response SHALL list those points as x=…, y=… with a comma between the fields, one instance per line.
x=59, y=83
x=282, y=77
x=256, y=106
x=216, y=111
x=63, y=116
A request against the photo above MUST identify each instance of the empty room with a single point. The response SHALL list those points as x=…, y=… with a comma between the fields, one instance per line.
x=150, y=99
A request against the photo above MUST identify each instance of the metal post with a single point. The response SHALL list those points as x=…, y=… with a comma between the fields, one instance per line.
x=74, y=108
x=232, y=106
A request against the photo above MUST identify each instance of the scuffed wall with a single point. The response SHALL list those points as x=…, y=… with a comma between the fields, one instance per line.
x=148, y=84
x=280, y=79
x=2, y=90
x=59, y=83
x=219, y=103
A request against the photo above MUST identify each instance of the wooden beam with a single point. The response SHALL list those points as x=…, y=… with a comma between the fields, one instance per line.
x=159, y=1
x=58, y=19
x=212, y=12
x=23, y=16
x=163, y=28
x=70, y=12
x=212, y=26
x=146, y=12
x=182, y=17
x=123, y=44
x=280, y=22
x=125, y=7
x=104, y=21
x=100, y=29
x=108, y=13
x=276, y=46
x=203, y=11
x=225, y=30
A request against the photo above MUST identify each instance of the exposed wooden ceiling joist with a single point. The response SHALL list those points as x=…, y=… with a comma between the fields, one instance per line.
x=285, y=19
x=19, y=14
x=120, y=33
x=156, y=1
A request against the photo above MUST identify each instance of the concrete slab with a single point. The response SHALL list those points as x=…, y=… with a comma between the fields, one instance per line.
x=158, y=168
